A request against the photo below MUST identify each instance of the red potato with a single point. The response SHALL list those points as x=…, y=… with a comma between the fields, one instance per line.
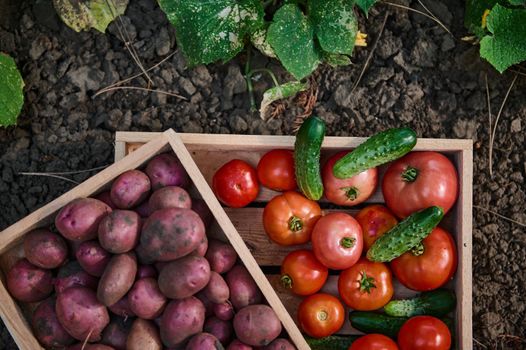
x=146, y=300
x=47, y=328
x=45, y=249
x=280, y=344
x=82, y=346
x=169, y=234
x=80, y=218
x=184, y=277
x=216, y=290
x=238, y=345
x=29, y=283
x=202, y=247
x=92, y=257
x=220, y=329
x=143, y=209
x=243, y=288
x=81, y=314
x=145, y=271
x=116, y=333
x=224, y=311
x=122, y=308
x=221, y=256
x=130, y=189
x=257, y=325
x=166, y=170
x=119, y=231
x=180, y=320
x=209, y=306
x=117, y=279
x=203, y=341
x=170, y=197
x=106, y=198
x=73, y=275
x=201, y=208
x=144, y=335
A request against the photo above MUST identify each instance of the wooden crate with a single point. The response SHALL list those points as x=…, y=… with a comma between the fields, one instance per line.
x=210, y=151
x=15, y=315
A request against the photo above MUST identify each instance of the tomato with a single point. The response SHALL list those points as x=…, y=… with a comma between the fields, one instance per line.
x=289, y=218
x=337, y=241
x=302, y=273
x=366, y=285
x=235, y=184
x=375, y=220
x=374, y=342
x=351, y=191
x=420, y=180
x=321, y=315
x=429, y=265
x=276, y=170
x=424, y=333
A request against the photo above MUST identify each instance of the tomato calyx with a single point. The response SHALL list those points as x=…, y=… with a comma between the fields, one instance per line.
x=418, y=249
x=322, y=315
x=351, y=192
x=286, y=281
x=295, y=224
x=410, y=174
x=347, y=242
x=366, y=283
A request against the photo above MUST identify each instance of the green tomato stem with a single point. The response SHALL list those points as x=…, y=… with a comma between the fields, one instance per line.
x=366, y=283
x=351, y=192
x=286, y=281
x=295, y=224
x=418, y=249
x=347, y=242
x=410, y=174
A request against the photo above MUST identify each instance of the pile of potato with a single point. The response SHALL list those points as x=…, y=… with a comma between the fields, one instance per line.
x=133, y=269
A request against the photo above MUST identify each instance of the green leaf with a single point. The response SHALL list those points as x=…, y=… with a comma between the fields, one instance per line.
x=85, y=14
x=278, y=92
x=11, y=93
x=291, y=35
x=517, y=2
x=365, y=5
x=507, y=45
x=260, y=42
x=335, y=59
x=335, y=24
x=209, y=31
x=473, y=16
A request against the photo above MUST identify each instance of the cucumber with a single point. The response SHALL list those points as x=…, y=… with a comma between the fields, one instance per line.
x=372, y=322
x=333, y=342
x=379, y=149
x=436, y=303
x=307, y=157
x=406, y=235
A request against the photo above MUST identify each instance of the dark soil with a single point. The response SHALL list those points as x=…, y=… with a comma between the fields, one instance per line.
x=419, y=76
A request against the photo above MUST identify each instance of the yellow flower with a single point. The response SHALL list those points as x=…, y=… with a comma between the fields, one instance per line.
x=484, y=16
x=360, y=39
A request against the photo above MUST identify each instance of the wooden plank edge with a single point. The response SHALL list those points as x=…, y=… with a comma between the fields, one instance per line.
x=120, y=151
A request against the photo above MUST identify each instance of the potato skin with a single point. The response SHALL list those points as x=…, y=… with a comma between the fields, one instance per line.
x=122, y=308
x=224, y=311
x=220, y=329
x=202, y=341
x=166, y=170
x=217, y=290
x=180, y=320
x=146, y=299
x=81, y=346
x=106, y=198
x=80, y=313
x=243, y=289
x=119, y=231
x=47, y=328
x=45, y=249
x=221, y=256
x=170, y=197
x=237, y=345
x=145, y=271
x=79, y=219
x=202, y=247
x=29, y=283
x=92, y=257
x=280, y=344
x=117, y=279
x=144, y=335
x=201, y=208
x=184, y=277
x=116, y=333
x=169, y=234
x=73, y=275
x=257, y=325
x=130, y=189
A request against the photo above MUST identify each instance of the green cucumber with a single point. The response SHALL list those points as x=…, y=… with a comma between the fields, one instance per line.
x=372, y=322
x=333, y=342
x=379, y=149
x=307, y=157
x=405, y=236
x=436, y=303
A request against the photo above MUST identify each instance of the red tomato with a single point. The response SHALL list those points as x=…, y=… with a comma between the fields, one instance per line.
x=321, y=315
x=373, y=342
x=375, y=220
x=424, y=333
x=337, y=241
x=420, y=180
x=276, y=170
x=430, y=265
x=366, y=285
x=236, y=183
x=289, y=218
x=351, y=191
x=302, y=273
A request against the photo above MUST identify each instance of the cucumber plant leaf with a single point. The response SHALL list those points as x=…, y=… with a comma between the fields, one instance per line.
x=335, y=59
x=11, y=91
x=85, y=14
x=517, y=2
x=291, y=35
x=209, y=31
x=278, y=92
x=260, y=42
x=506, y=45
x=365, y=5
x=474, y=13
x=335, y=24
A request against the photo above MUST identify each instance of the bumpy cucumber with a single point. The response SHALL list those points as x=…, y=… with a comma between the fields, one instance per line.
x=307, y=157
x=377, y=150
x=333, y=342
x=436, y=303
x=406, y=235
x=372, y=322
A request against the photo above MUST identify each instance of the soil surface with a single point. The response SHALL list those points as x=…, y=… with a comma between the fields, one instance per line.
x=419, y=76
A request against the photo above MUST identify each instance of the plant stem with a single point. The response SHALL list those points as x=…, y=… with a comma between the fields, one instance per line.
x=248, y=78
